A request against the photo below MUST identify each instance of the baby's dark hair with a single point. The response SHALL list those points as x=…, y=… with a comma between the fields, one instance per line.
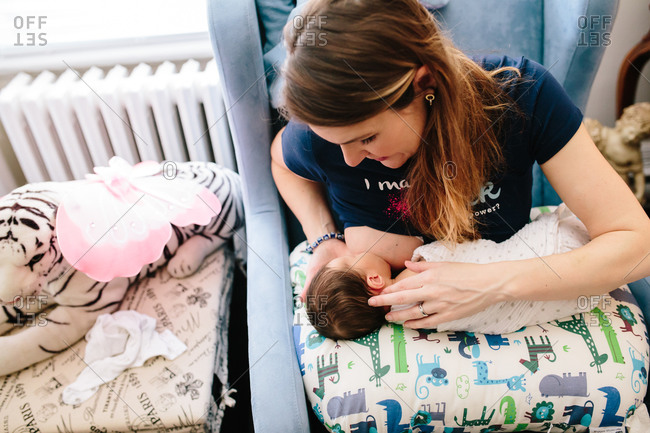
x=337, y=304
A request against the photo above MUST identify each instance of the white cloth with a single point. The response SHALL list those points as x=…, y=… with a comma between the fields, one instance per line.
x=550, y=233
x=116, y=342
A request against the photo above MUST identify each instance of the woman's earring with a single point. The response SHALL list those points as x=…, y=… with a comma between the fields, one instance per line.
x=430, y=97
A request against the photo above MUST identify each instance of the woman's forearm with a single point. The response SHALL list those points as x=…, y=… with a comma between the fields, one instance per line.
x=617, y=224
x=305, y=198
x=307, y=202
x=605, y=263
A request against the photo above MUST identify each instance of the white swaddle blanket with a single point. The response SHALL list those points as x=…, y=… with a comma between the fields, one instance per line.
x=550, y=233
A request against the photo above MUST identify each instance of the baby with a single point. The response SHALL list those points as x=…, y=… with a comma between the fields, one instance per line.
x=337, y=298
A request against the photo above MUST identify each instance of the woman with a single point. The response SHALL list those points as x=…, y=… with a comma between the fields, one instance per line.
x=409, y=138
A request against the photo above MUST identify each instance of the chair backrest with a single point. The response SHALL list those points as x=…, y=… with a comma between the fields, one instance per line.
x=566, y=37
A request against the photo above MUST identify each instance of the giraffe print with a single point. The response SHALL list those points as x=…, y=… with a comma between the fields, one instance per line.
x=577, y=326
x=514, y=383
x=372, y=341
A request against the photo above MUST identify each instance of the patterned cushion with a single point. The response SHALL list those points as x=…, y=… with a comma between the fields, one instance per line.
x=584, y=370
x=162, y=395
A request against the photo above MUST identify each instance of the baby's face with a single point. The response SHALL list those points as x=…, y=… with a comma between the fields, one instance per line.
x=366, y=263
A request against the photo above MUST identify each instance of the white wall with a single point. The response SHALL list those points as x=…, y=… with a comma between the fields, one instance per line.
x=632, y=23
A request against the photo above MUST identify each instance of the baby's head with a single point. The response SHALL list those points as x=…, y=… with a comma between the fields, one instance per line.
x=337, y=298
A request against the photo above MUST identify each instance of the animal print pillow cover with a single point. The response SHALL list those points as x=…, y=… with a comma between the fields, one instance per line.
x=588, y=369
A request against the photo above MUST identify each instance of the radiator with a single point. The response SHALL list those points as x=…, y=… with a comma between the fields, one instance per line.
x=61, y=126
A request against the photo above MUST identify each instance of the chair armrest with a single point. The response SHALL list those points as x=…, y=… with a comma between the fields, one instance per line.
x=277, y=395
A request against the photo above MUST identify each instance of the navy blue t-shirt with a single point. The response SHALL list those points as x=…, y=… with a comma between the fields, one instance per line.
x=369, y=194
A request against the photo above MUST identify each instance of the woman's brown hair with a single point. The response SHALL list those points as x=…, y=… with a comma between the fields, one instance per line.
x=337, y=304
x=349, y=60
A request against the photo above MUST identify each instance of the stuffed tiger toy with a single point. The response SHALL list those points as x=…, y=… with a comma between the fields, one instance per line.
x=46, y=305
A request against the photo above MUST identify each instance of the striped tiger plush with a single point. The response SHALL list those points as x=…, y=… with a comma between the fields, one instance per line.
x=45, y=304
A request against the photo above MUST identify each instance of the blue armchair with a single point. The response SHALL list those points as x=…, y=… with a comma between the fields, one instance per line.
x=245, y=36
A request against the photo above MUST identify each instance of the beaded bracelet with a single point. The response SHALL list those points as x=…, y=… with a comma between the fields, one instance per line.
x=333, y=235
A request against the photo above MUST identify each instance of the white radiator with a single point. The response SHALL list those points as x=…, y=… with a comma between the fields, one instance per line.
x=60, y=127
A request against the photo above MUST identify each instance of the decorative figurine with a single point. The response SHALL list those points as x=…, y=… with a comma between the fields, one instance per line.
x=621, y=145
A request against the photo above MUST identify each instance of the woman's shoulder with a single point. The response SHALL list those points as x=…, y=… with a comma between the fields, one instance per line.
x=300, y=133
x=534, y=81
x=526, y=66
x=296, y=131
x=298, y=151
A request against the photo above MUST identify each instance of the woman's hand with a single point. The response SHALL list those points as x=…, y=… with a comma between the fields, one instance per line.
x=323, y=254
x=447, y=291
